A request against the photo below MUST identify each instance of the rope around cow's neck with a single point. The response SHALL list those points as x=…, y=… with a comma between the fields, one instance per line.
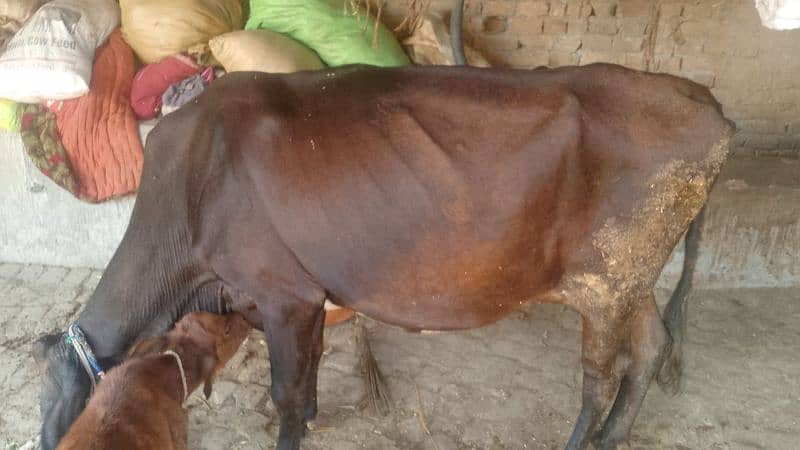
x=183, y=374
x=77, y=340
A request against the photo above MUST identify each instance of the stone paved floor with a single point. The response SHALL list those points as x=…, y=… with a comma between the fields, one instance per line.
x=507, y=386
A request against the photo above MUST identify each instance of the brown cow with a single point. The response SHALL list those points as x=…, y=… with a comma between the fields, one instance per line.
x=139, y=405
x=431, y=198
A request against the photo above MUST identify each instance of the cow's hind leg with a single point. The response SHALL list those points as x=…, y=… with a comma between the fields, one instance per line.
x=600, y=350
x=293, y=328
x=646, y=349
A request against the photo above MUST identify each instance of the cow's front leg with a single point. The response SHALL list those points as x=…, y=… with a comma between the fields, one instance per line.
x=310, y=410
x=293, y=327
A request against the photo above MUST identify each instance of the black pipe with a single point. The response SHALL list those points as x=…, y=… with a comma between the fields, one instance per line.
x=456, y=41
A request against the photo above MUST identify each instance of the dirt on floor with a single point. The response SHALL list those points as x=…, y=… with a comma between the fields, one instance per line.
x=512, y=385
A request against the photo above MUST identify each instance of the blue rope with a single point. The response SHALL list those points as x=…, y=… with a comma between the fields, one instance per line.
x=77, y=340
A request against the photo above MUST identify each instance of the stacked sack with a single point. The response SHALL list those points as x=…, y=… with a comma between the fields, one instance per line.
x=262, y=51
x=179, y=39
x=51, y=56
x=156, y=29
x=69, y=77
x=80, y=128
x=337, y=38
x=13, y=13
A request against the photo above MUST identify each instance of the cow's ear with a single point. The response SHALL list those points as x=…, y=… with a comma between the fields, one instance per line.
x=149, y=346
x=41, y=348
x=209, y=362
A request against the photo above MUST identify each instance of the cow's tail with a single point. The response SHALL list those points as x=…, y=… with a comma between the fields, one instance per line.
x=377, y=398
x=670, y=375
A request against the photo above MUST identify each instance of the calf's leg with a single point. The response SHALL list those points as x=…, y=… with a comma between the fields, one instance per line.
x=601, y=345
x=293, y=328
x=648, y=345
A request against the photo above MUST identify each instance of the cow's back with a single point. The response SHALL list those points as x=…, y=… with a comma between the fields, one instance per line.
x=441, y=197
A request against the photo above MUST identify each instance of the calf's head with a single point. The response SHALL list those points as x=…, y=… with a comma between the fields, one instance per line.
x=66, y=386
x=204, y=341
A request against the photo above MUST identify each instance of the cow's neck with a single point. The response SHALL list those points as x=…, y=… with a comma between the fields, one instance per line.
x=151, y=281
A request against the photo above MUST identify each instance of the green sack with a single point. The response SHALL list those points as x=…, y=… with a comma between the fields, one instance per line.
x=337, y=37
x=9, y=115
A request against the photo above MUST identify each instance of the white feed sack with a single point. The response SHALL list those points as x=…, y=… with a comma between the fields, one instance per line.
x=779, y=14
x=51, y=57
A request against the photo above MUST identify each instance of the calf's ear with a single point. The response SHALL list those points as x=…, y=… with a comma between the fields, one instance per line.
x=208, y=364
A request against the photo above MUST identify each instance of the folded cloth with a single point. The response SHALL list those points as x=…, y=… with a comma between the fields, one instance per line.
x=43, y=145
x=184, y=91
x=152, y=80
x=99, y=130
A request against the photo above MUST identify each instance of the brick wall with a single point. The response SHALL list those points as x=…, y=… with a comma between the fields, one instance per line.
x=753, y=71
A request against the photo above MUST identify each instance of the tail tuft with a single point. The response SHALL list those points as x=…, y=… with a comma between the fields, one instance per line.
x=670, y=377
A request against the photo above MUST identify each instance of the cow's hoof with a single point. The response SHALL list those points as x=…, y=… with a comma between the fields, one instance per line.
x=612, y=444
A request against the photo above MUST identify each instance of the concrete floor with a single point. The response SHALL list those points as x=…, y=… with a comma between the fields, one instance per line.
x=511, y=385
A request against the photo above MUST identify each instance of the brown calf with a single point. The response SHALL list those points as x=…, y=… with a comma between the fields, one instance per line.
x=139, y=405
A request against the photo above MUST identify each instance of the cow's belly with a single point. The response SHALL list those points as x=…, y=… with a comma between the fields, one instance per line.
x=446, y=290
x=438, y=312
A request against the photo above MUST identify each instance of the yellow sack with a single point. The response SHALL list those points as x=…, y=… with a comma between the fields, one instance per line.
x=156, y=29
x=262, y=51
x=9, y=115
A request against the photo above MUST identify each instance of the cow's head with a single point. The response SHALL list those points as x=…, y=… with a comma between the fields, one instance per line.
x=65, y=389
